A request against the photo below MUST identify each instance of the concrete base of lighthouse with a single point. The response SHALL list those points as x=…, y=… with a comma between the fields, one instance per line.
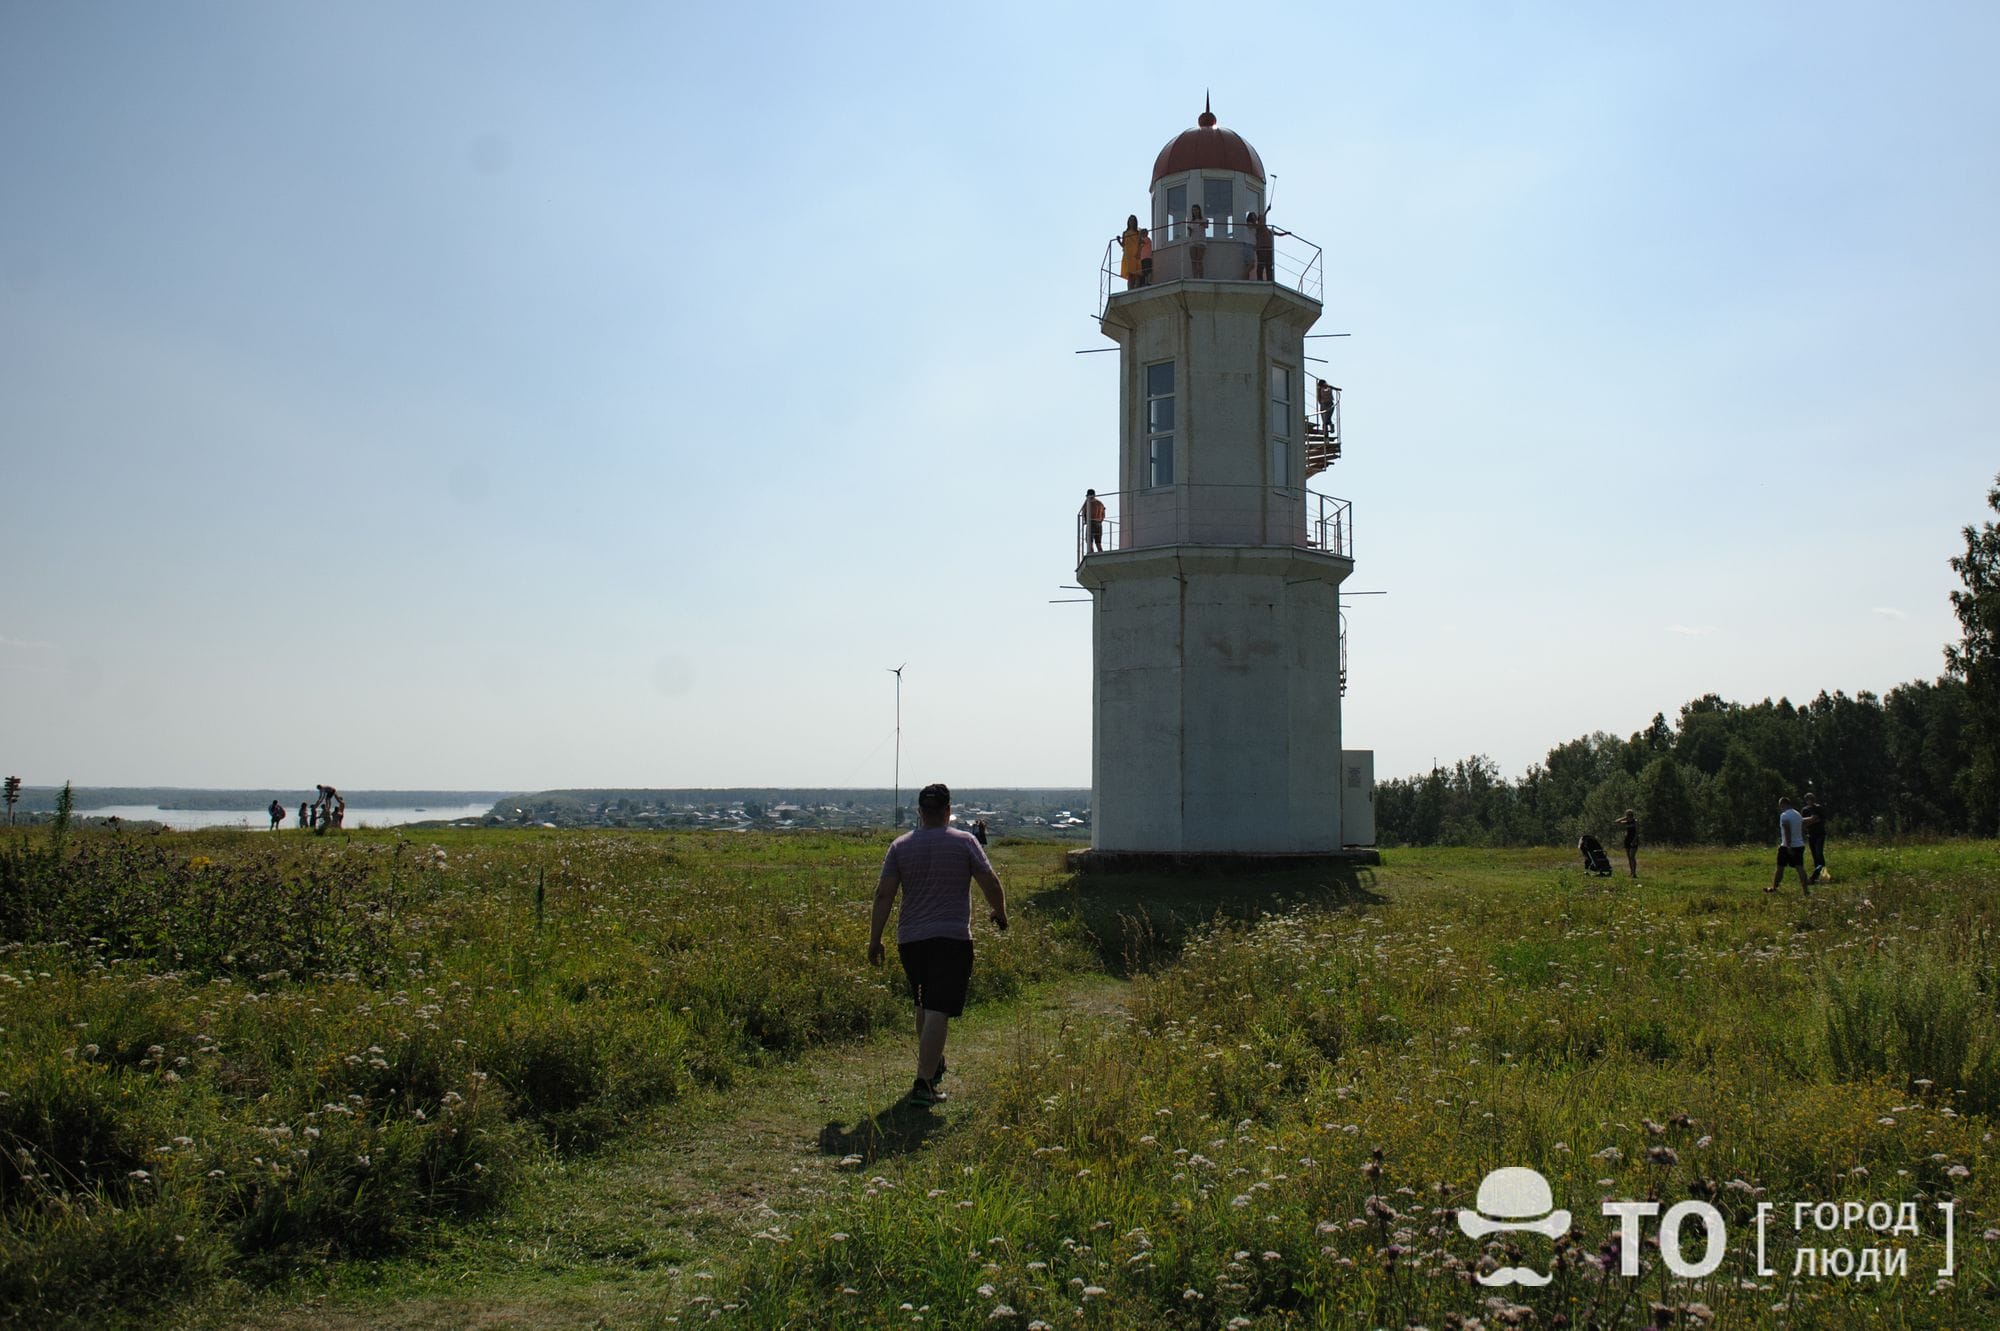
x=1202, y=864
x=1217, y=702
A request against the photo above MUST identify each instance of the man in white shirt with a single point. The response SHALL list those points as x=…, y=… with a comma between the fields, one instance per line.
x=934, y=867
x=1791, y=845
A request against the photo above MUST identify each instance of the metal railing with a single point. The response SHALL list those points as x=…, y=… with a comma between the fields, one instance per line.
x=1221, y=251
x=1272, y=515
x=1343, y=653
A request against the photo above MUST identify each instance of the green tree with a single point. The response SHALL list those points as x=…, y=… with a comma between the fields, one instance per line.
x=1975, y=661
x=1427, y=813
x=1479, y=809
x=1665, y=804
x=1602, y=808
x=1552, y=795
x=1743, y=798
x=1924, y=728
x=1395, y=809
x=1707, y=725
x=1847, y=762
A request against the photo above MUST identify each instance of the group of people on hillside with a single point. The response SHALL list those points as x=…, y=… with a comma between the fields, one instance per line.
x=1135, y=247
x=1800, y=828
x=328, y=811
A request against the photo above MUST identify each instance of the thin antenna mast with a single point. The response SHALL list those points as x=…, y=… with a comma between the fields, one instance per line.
x=896, y=798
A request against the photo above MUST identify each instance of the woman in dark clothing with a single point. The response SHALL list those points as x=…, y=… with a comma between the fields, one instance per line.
x=1630, y=822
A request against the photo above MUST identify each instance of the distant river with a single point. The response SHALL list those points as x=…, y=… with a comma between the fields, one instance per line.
x=188, y=820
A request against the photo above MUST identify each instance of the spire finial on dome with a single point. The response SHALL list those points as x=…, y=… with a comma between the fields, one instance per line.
x=1207, y=120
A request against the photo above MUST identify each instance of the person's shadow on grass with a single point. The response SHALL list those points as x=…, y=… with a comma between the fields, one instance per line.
x=896, y=1130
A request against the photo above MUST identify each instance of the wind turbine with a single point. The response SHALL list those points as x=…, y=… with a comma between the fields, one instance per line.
x=896, y=799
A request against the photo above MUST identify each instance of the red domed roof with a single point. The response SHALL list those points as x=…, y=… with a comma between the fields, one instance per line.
x=1207, y=148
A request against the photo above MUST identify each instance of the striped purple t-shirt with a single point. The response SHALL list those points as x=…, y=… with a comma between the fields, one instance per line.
x=935, y=867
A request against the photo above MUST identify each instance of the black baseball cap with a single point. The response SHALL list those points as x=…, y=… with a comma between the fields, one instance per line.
x=937, y=795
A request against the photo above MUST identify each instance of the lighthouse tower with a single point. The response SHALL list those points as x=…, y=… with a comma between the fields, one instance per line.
x=1215, y=570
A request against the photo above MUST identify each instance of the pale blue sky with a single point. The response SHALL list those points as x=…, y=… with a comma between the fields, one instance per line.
x=493, y=395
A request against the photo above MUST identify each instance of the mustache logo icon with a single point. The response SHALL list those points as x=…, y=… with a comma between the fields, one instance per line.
x=1511, y=1201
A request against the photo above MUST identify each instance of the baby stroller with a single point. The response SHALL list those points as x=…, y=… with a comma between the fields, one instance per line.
x=1594, y=859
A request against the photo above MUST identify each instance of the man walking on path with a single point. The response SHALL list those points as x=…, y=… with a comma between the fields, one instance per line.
x=1815, y=820
x=934, y=866
x=1791, y=845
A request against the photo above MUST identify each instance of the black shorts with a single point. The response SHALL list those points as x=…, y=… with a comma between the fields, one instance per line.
x=1791, y=855
x=940, y=969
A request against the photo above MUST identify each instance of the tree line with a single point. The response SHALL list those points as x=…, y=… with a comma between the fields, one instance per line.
x=1924, y=759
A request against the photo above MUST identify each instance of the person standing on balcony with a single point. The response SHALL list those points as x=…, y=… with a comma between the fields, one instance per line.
x=1265, y=238
x=1264, y=248
x=1326, y=408
x=1129, y=242
x=1145, y=258
x=1093, y=521
x=1197, y=233
x=934, y=867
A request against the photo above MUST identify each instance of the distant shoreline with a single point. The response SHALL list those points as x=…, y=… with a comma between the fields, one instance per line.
x=254, y=800
x=42, y=799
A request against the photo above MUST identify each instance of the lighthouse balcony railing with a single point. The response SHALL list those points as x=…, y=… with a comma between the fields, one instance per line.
x=1223, y=251
x=1270, y=515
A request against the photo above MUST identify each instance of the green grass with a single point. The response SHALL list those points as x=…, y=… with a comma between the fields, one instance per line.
x=240, y=1053
x=1282, y=1129
x=1185, y=1102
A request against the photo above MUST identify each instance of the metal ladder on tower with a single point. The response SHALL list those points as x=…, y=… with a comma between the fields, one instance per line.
x=1323, y=437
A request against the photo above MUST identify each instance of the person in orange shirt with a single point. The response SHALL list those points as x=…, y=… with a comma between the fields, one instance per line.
x=1093, y=519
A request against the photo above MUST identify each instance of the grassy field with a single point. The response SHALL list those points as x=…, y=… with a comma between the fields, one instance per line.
x=227, y=1058
x=239, y=1055
x=1285, y=1123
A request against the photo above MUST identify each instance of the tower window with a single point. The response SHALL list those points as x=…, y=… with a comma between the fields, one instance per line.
x=1281, y=425
x=1176, y=211
x=1218, y=202
x=1160, y=423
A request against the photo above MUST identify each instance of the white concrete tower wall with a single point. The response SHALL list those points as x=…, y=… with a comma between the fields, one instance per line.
x=1217, y=702
x=1216, y=620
